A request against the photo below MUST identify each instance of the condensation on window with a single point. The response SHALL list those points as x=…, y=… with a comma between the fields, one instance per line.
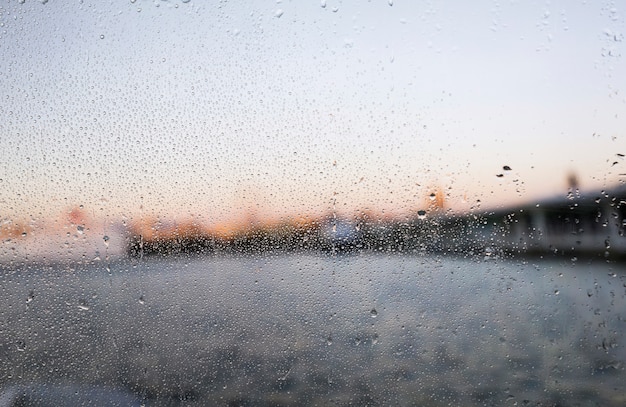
x=312, y=203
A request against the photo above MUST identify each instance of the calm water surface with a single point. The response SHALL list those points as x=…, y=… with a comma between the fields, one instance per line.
x=321, y=330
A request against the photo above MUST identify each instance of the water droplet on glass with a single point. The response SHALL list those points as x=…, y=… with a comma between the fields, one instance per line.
x=323, y=3
x=329, y=340
x=80, y=229
x=506, y=168
x=390, y=2
x=101, y=36
x=31, y=296
x=556, y=292
x=432, y=196
x=141, y=300
x=279, y=13
x=82, y=305
x=421, y=214
x=373, y=313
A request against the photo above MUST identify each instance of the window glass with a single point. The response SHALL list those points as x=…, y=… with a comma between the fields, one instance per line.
x=312, y=203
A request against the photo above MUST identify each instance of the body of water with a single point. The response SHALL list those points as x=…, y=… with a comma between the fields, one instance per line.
x=295, y=329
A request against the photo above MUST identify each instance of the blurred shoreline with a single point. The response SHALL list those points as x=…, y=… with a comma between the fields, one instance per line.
x=579, y=225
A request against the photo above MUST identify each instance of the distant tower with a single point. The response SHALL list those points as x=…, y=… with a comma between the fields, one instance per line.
x=572, y=181
x=436, y=201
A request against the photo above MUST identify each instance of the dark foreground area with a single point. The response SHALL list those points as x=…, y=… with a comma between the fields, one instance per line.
x=293, y=329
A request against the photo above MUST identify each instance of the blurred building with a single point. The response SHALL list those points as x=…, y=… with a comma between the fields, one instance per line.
x=589, y=222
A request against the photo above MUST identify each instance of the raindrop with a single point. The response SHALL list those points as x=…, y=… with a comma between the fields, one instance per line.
x=421, y=214
x=82, y=305
x=323, y=3
x=21, y=346
x=101, y=36
x=556, y=292
x=329, y=340
x=607, y=244
x=80, y=229
x=506, y=168
x=31, y=296
x=279, y=13
x=390, y=2
x=373, y=313
x=499, y=175
x=141, y=300
x=432, y=196
x=185, y=1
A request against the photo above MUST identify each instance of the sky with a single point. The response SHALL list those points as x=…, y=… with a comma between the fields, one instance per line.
x=219, y=110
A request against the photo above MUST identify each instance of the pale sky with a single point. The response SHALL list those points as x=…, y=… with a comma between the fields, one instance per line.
x=218, y=109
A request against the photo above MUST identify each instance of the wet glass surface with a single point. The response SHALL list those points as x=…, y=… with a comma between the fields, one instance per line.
x=329, y=202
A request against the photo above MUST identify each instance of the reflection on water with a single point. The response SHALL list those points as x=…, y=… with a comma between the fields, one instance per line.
x=312, y=329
